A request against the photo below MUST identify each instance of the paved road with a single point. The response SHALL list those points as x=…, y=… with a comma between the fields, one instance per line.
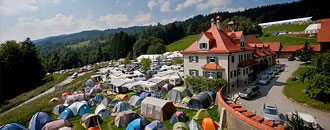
x=273, y=93
x=62, y=84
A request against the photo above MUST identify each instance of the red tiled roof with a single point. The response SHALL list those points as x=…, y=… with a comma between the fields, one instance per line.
x=267, y=52
x=208, y=35
x=251, y=39
x=230, y=22
x=323, y=20
x=275, y=46
x=293, y=48
x=324, y=32
x=212, y=66
x=248, y=47
x=246, y=63
x=222, y=43
x=235, y=35
x=260, y=53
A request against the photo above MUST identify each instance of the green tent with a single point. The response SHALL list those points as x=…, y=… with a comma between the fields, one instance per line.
x=201, y=114
x=180, y=126
x=185, y=100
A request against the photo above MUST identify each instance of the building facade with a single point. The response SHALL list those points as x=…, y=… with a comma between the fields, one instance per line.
x=222, y=53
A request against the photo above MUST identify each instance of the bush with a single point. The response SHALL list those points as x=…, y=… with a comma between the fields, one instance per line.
x=200, y=83
x=177, y=60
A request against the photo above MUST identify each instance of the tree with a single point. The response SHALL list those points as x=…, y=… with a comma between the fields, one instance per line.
x=297, y=123
x=305, y=53
x=96, y=68
x=191, y=28
x=146, y=64
x=126, y=61
x=177, y=60
x=140, y=47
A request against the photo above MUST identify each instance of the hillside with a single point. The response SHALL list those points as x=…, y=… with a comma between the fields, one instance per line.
x=82, y=44
x=183, y=43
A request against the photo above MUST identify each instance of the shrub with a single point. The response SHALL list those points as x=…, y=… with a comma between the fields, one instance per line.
x=200, y=83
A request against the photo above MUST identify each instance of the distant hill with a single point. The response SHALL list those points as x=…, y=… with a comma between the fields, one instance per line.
x=183, y=43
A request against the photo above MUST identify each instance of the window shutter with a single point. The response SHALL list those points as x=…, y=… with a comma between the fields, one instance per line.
x=200, y=45
x=214, y=74
x=196, y=59
x=219, y=75
x=189, y=58
x=208, y=59
x=197, y=74
x=204, y=73
x=190, y=72
x=216, y=59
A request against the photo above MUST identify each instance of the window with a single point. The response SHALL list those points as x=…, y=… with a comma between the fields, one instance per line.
x=193, y=72
x=241, y=57
x=157, y=111
x=247, y=70
x=202, y=46
x=234, y=73
x=150, y=109
x=250, y=68
x=232, y=59
x=243, y=71
x=210, y=75
x=146, y=89
x=231, y=74
x=143, y=108
x=193, y=59
x=238, y=72
x=245, y=56
x=212, y=59
x=242, y=44
x=219, y=75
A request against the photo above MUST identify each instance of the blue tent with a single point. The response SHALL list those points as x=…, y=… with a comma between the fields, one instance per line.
x=156, y=125
x=39, y=120
x=122, y=106
x=13, y=126
x=84, y=109
x=138, y=124
x=66, y=114
x=98, y=97
x=144, y=95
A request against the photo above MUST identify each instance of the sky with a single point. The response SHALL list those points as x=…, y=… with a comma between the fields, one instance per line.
x=38, y=19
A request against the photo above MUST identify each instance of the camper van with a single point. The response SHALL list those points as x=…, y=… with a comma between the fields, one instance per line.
x=149, y=86
x=176, y=80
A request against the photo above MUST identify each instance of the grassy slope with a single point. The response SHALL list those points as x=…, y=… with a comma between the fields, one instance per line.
x=289, y=40
x=82, y=44
x=294, y=90
x=290, y=28
x=182, y=43
x=28, y=95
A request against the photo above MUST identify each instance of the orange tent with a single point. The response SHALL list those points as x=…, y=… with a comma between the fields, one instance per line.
x=93, y=128
x=123, y=97
x=209, y=124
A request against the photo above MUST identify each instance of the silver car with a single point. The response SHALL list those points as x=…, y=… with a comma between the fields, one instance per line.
x=270, y=113
x=264, y=79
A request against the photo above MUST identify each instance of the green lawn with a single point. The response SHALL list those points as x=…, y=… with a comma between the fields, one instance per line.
x=183, y=43
x=28, y=95
x=82, y=44
x=294, y=90
x=289, y=40
x=290, y=28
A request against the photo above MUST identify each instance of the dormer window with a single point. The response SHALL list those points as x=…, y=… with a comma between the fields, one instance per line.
x=242, y=45
x=203, y=46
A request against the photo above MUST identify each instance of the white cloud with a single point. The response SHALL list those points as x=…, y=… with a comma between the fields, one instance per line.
x=17, y=6
x=186, y=4
x=151, y=4
x=114, y=20
x=166, y=21
x=215, y=10
x=50, y=1
x=212, y=3
x=143, y=17
x=165, y=7
x=235, y=9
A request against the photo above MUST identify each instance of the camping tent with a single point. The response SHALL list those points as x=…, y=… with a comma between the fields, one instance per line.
x=193, y=125
x=167, y=87
x=75, y=98
x=98, y=97
x=38, y=120
x=178, y=117
x=13, y=126
x=55, y=125
x=106, y=101
x=177, y=93
x=102, y=110
x=125, y=117
x=138, y=124
x=92, y=103
x=185, y=100
x=94, y=128
x=65, y=95
x=180, y=126
x=201, y=114
x=66, y=114
x=66, y=128
x=143, y=95
x=123, y=97
x=114, y=102
x=122, y=106
x=202, y=100
x=100, y=86
x=90, y=120
x=156, y=125
x=157, y=108
x=209, y=124
x=58, y=109
x=77, y=108
x=135, y=101
x=89, y=83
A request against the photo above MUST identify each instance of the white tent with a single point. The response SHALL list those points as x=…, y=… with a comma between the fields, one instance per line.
x=312, y=28
x=151, y=57
x=305, y=19
x=102, y=111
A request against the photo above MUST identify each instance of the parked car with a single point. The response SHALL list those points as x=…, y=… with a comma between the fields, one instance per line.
x=269, y=112
x=270, y=73
x=249, y=92
x=75, y=75
x=308, y=119
x=280, y=68
x=291, y=58
x=275, y=71
x=264, y=79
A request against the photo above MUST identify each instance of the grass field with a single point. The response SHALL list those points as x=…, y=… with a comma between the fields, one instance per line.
x=290, y=28
x=28, y=95
x=82, y=44
x=294, y=90
x=183, y=43
x=289, y=40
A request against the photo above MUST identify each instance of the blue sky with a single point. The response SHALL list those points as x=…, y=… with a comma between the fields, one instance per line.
x=42, y=18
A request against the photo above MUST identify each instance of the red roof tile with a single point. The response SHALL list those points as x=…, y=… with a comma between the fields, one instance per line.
x=275, y=46
x=267, y=52
x=235, y=35
x=324, y=32
x=212, y=66
x=248, y=47
x=246, y=63
x=251, y=39
x=293, y=48
x=260, y=53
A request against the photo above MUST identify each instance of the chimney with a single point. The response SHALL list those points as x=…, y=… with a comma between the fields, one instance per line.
x=219, y=25
x=212, y=22
x=231, y=25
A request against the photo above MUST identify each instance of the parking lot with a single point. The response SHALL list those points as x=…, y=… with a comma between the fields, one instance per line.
x=272, y=93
